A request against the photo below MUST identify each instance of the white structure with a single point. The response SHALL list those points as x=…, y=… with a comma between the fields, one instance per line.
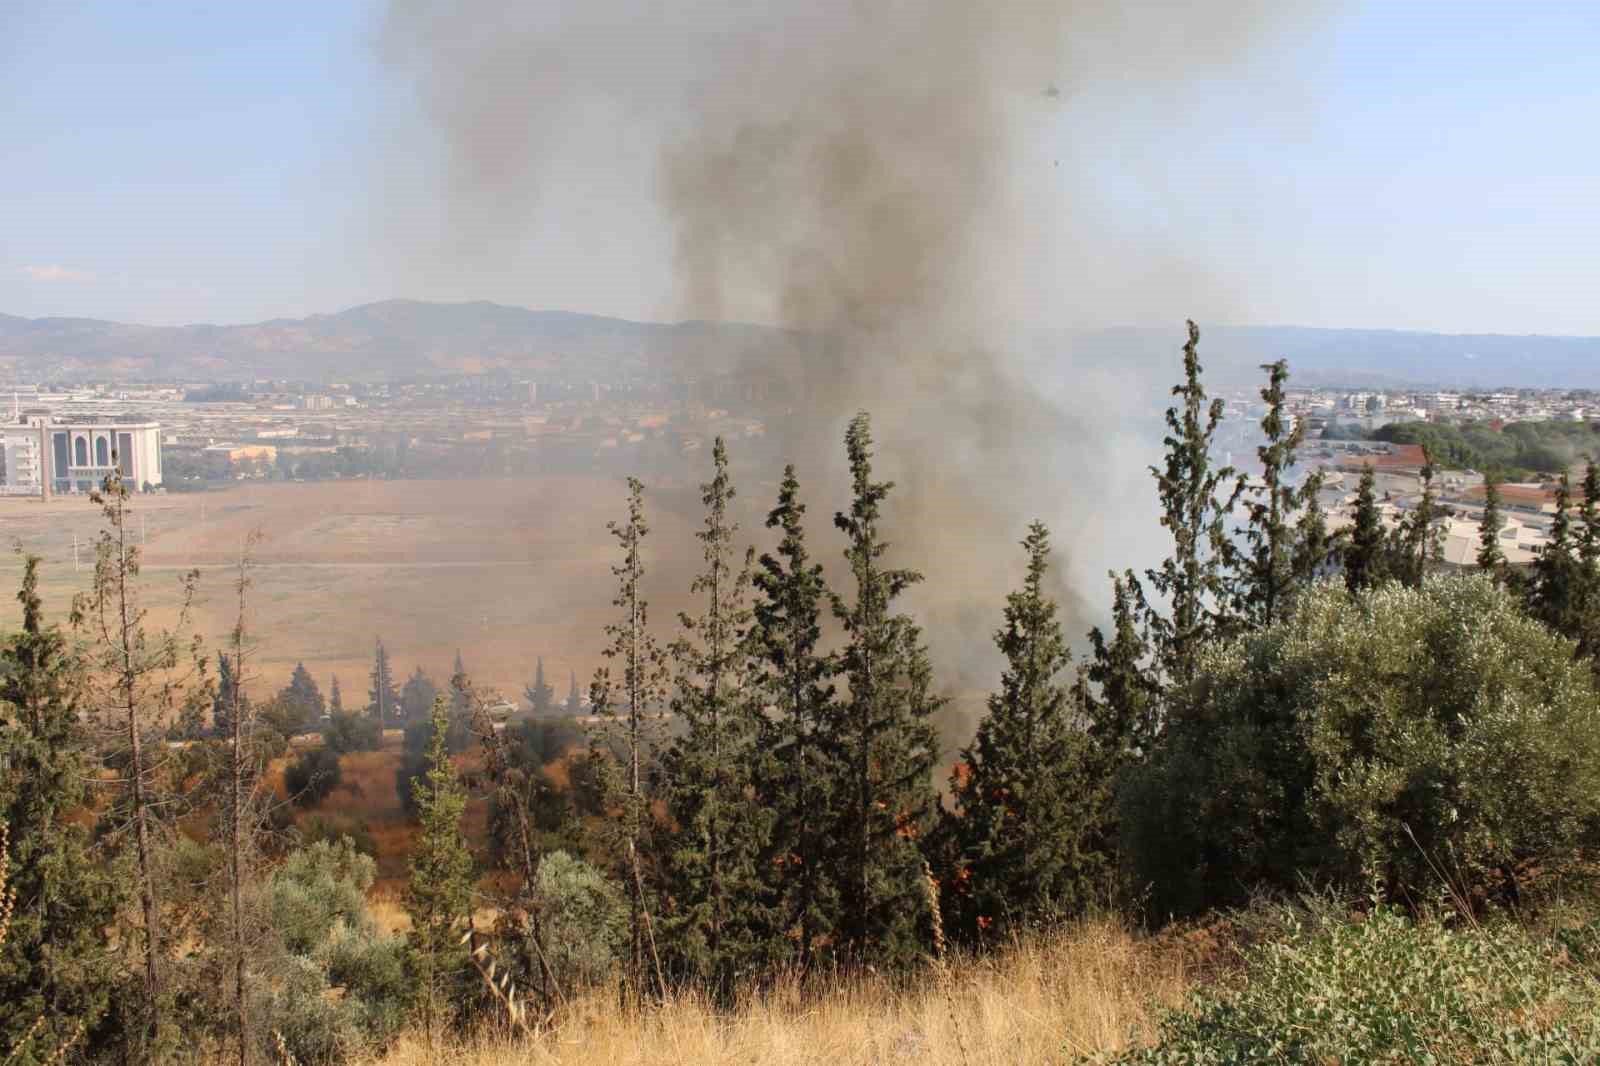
x=76, y=456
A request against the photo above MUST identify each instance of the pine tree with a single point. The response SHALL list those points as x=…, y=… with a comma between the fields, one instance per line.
x=540, y=696
x=1587, y=608
x=460, y=690
x=628, y=712
x=439, y=893
x=133, y=669
x=711, y=861
x=574, y=705
x=302, y=692
x=1125, y=718
x=53, y=963
x=1491, y=557
x=882, y=735
x=335, y=699
x=1416, y=544
x=1026, y=797
x=1314, y=546
x=797, y=782
x=417, y=696
x=383, y=698
x=1192, y=579
x=1267, y=571
x=1553, y=587
x=1366, y=554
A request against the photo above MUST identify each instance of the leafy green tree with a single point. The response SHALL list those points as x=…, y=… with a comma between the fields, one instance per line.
x=417, y=696
x=1363, y=741
x=540, y=696
x=628, y=712
x=440, y=889
x=1366, y=555
x=383, y=698
x=1027, y=797
x=1266, y=572
x=800, y=782
x=1491, y=557
x=883, y=735
x=710, y=865
x=347, y=731
x=1192, y=580
x=53, y=961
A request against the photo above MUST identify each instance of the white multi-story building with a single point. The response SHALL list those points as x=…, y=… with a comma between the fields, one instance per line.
x=76, y=456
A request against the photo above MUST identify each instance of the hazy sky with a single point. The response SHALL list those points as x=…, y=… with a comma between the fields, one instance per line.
x=1431, y=165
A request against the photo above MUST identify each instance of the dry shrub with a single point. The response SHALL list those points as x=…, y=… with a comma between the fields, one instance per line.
x=1091, y=987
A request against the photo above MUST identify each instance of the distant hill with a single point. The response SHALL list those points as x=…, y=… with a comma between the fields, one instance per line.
x=397, y=338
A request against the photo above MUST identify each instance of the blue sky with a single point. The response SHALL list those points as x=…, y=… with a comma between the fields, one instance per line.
x=1420, y=165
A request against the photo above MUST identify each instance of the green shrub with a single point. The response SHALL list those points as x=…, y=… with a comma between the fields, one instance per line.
x=585, y=919
x=346, y=732
x=312, y=775
x=1383, y=739
x=1388, y=990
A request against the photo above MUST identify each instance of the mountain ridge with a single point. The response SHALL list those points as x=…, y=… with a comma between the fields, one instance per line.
x=408, y=337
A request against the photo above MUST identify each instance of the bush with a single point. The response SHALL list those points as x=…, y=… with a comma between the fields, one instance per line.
x=585, y=919
x=312, y=776
x=1372, y=740
x=346, y=732
x=1385, y=989
x=343, y=988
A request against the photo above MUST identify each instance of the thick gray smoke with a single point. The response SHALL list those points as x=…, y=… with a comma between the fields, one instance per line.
x=929, y=190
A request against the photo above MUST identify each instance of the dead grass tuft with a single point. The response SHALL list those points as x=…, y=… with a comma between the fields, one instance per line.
x=1092, y=987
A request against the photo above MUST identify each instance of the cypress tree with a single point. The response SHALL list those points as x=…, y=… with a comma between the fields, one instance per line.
x=227, y=696
x=574, y=706
x=53, y=962
x=540, y=696
x=302, y=692
x=797, y=781
x=1026, y=798
x=1314, y=546
x=1193, y=578
x=383, y=697
x=1267, y=567
x=883, y=734
x=460, y=686
x=628, y=711
x=1491, y=557
x=439, y=893
x=1553, y=587
x=335, y=699
x=417, y=696
x=1125, y=717
x=710, y=864
x=1365, y=556
x=1416, y=544
x=1587, y=610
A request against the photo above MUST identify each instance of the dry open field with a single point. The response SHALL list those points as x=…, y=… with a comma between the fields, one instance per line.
x=505, y=570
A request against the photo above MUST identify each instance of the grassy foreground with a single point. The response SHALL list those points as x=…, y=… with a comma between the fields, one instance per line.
x=1092, y=987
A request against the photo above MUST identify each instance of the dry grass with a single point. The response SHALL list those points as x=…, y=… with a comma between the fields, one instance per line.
x=1094, y=987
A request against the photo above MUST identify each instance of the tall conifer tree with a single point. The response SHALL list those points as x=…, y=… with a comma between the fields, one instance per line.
x=540, y=696
x=1553, y=589
x=1026, y=795
x=884, y=736
x=439, y=893
x=628, y=708
x=798, y=782
x=710, y=866
x=383, y=695
x=53, y=962
x=1267, y=567
x=1193, y=578
x=1365, y=554
x=1491, y=557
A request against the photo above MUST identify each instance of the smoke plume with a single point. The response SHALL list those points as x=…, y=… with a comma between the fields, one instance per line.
x=930, y=193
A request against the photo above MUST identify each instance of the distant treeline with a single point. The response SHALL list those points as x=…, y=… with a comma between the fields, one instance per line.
x=1514, y=451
